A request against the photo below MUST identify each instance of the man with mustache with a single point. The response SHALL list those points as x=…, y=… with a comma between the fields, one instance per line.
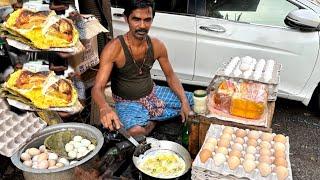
x=127, y=60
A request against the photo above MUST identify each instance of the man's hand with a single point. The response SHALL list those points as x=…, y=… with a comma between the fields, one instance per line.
x=185, y=111
x=110, y=119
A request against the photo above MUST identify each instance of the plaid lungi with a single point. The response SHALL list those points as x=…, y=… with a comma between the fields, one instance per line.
x=133, y=113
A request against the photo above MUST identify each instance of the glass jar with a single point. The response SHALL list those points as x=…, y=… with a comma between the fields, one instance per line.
x=200, y=101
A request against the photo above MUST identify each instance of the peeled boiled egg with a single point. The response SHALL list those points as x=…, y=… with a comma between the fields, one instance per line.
x=72, y=154
x=266, y=137
x=249, y=165
x=233, y=162
x=280, y=162
x=69, y=147
x=280, y=138
x=91, y=147
x=205, y=154
x=25, y=156
x=85, y=142
x=264, y=168
x=77, y=138
x=282, y=172
x=241, y=133
x=63, y=161
x=228, y=130
x=219, y=159
x=235, y=153
x=222, y=150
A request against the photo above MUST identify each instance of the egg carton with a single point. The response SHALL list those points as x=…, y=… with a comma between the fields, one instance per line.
x=208, y=170
x=16, y=130
x=232, y=70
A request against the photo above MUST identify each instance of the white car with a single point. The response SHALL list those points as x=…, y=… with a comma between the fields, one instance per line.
x=202, y=34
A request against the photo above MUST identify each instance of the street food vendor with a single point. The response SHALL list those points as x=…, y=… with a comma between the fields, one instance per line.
x=127, y=61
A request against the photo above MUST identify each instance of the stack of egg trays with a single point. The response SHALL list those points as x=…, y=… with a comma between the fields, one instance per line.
x=16, y=130
x=208, y=170
x=272, y=84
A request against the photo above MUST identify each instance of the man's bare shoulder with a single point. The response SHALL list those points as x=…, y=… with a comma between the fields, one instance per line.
x=112, y=49
x=156, y=42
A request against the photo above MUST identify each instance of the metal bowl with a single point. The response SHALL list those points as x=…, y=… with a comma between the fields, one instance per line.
x=60, y=173
x=160, y=145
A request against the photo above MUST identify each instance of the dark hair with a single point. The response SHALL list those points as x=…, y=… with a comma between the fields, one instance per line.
x=136, y=4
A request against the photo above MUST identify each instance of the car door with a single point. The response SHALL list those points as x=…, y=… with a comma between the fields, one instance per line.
x=175, y=25
x=255, y=28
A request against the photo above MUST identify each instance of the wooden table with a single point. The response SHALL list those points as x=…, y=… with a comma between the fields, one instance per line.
x=199, y=125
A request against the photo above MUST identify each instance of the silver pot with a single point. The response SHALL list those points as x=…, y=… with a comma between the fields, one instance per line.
x=66, y=172
x=160, y=145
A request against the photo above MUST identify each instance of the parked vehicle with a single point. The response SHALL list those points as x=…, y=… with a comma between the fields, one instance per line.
x=202, y=34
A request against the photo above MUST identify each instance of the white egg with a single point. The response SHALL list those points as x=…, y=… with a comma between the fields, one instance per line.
x=72, y=154
x=82, y=149
x=35, y=158
x=77, y=145
x=68, y=147
x=91, y=147
x=85, y=142
x=77, y=138
x=42, y=148
x=72, y=142
x=25, y=156
x=63, y=161
x=28, y=163
x=33, y=151
x=53, y=156
x=59, y=164
x=73, y=162
x=219, y=159
x=43, y=164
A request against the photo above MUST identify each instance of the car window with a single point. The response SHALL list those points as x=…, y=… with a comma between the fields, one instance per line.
x=267, y=12
x=167, y=6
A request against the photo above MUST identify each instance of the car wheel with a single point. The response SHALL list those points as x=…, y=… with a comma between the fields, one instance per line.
x=315, y=100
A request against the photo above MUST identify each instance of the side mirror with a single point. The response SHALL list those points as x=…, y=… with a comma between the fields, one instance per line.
x=303, y=19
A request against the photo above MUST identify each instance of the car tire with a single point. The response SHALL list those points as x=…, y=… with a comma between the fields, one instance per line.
x=315, y=100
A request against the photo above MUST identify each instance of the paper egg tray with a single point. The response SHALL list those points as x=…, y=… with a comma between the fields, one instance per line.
x=16, y=130
x=272, y=84
x=209, y=170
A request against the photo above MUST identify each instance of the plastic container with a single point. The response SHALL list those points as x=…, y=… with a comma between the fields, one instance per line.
x=200, y=101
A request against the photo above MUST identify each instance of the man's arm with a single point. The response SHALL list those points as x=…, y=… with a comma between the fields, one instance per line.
x=107, y=115
x=173, y=81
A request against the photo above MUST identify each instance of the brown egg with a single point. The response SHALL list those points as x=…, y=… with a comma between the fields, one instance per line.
x=208, y=146
x=266, y=137
x=226, y=136
x=233, y=162
x=237, y=146
x=223, y=143
x=212, y=140
x=235, y=153
x=279, y=146
x=265, y=152
x=253, y=134
x=249, y=157
x=264, y=168
x=205, y=154
x=252, y=142
x=265, y=144
x=281, y=162
x=279, y=154
x=241, y=133
x=282, y=172
x=280, y=138
x=265, y=159
x=249, y=165
x=239, y=140
x=228, y=130
x=222, y=150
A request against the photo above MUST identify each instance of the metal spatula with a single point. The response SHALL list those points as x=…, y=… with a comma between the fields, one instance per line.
x=140, y=148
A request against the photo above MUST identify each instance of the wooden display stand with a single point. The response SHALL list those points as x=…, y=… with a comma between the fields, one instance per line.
x=199, y=124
